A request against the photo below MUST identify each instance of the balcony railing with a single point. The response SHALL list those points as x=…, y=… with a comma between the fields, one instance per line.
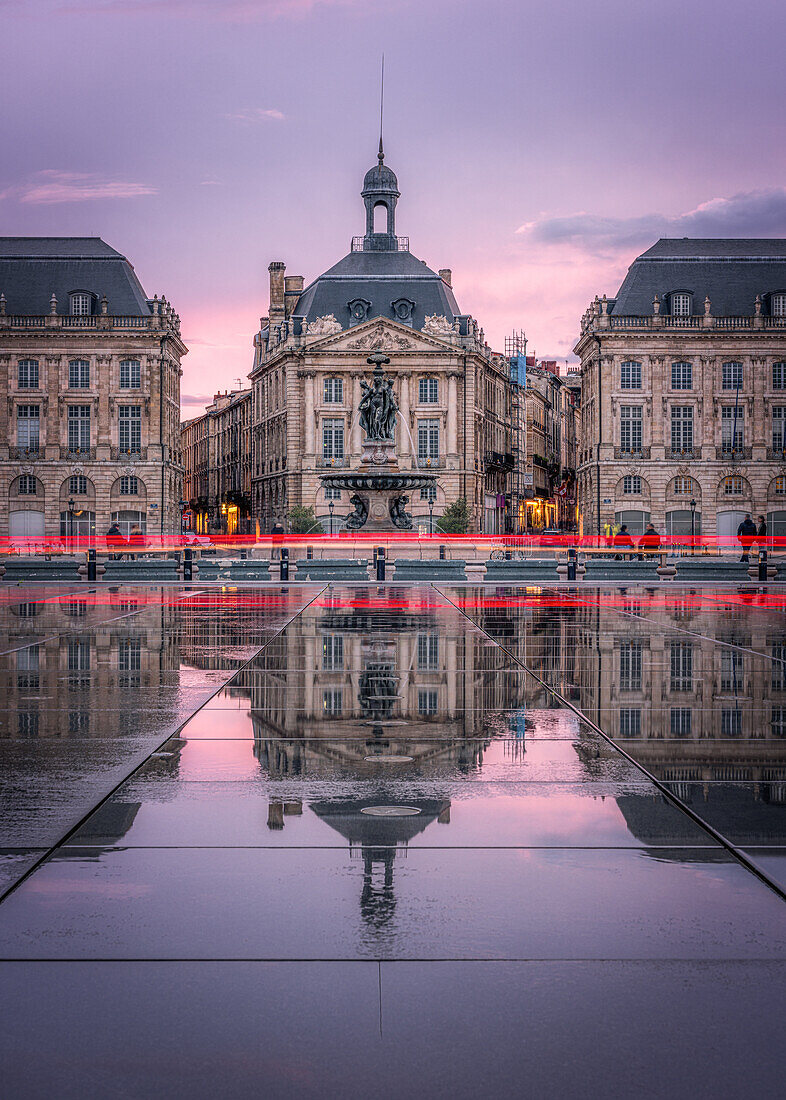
x=776, y=454
x=732, y=454
x=631, y=452
x=25, y=453
x=497, y=458
x=77, y=453
x=380, y=242
x=431, y=462
x=338, y=462
x=129, y=453
x=683, y=452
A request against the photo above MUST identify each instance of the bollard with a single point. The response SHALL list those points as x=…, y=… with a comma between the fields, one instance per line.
x=763, y=566
x=283, y=569
x=91, y=565
x=442, y=553
x=508, y=555
x=244, y=555
x=188, y=564
x=379, y=559
x=571, y=563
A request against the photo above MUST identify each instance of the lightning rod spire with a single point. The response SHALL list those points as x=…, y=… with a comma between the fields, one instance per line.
x=381, y=153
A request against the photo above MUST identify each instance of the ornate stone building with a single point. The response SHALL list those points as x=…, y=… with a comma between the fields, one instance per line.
x=216, y=450
x=90, y=403
x=310, y=356
x=684, y=391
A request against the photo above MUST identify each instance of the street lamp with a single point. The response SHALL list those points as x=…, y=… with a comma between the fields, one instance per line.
x=331, y=506
x=430, y=514
x=70, y=519
x=182, y=504
x=692, y=525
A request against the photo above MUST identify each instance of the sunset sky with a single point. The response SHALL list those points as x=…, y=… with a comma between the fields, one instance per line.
x=538, y=147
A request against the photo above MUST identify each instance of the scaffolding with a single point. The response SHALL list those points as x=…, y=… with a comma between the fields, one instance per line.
x=516, y=355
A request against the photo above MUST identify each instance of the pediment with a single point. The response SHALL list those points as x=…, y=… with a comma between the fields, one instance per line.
x=380, y=334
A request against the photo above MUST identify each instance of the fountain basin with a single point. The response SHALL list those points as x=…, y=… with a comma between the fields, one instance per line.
x=380, y=494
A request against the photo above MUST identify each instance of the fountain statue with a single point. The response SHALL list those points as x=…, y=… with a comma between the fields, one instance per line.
x=378, y=487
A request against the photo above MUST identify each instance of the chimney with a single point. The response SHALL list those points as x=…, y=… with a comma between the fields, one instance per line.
x=277, y=269
x=446, y=275
x=293, y=288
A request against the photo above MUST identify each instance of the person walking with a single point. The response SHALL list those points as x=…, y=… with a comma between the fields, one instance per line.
x=114, y=542
x=746, y=533
x=276, y=530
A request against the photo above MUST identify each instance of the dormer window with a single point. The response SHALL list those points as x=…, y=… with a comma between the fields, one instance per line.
x=81, y=304
x=358, y=310
x=403, y=308
x=778, y=305
x=681, y=304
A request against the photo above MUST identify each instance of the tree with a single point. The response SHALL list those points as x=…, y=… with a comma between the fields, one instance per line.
x=456, y=517
x=302, y=521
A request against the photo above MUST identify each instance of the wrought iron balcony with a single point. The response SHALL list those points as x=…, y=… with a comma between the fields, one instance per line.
x=727, y=453
x=776, y=454
x=683, y=452
x=338, y=462
x=631, y=452
x=380, y=242
x=26, y=454
x=120, y=454
x=431, y=462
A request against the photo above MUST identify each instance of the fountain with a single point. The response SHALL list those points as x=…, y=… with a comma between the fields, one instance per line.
x=379, y=487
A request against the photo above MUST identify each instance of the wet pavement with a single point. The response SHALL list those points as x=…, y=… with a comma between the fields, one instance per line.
x=307, y=842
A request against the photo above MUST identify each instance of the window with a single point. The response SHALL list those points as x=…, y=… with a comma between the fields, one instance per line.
x=129, y=654
x=332, y=494
x=428, y=440
x=79, y=374
x=630, y=666
x=681, y=666
x=780, y=486
x=428, y=652
x=680, y=721
x=630, y=376
x=630, y=722
x=778, y=425
x=682, y=428
x=779, y=376
x=77, y=485
x=682, y=376
x=129, y=486
x=429, y=493
x=778, y=681
x=428, y=391
x=631, y=483
x=427, y=703
x=731, y=722
x=332, y=652
x=332, y=701
x=630, y=428
x=683, y=486
x=332, y=439
x=778, y=305
x=28, y=426
x=731, y=670
x=130, y=422
x=78, y=655
x=334, y=391
x=130, y=374
x=27, y=374
x=681, y=305
x=732, y=428
x=778, y=722
x=79, y=721
x=28, y=486
x=81, y=304
x=731, y=376
x=27, y=723
x=79, y=427
x=733, y=486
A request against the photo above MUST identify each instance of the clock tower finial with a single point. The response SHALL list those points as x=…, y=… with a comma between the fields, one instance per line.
x=381, y=153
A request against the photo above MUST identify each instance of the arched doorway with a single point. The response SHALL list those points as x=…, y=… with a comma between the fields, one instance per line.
x=728, y=522
x=27, y=523
x=635, y=520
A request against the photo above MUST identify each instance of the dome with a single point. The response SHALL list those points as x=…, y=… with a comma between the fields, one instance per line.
x=380, y=178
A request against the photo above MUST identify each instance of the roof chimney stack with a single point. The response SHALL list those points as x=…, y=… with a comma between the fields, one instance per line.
x=446, y=275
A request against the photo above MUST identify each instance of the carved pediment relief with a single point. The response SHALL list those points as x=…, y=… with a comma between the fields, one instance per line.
x=379, y=334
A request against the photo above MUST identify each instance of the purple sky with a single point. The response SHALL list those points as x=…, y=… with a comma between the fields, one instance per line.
x=538, y=147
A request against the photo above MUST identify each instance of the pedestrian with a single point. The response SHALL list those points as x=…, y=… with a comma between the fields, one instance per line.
x=622, y=539
x=136, y=539
x=761, y=534
x=114, y=540
x=277, y=529
x=650, y=540
x=746, y=533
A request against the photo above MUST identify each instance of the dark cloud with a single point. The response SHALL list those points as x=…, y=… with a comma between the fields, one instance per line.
x=747, y=214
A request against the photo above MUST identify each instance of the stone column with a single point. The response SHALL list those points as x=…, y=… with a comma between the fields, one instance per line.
x=309, y=412
x=355, y=443
x=403, y=446
x=452, y=414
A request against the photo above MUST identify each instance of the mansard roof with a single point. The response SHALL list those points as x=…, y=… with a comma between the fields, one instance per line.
x=728, y=271
x=34, y=268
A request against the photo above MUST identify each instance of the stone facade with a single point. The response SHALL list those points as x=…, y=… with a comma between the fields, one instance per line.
x=216, y=448
x=682, y=407
x=90, y=404
x=552, y=427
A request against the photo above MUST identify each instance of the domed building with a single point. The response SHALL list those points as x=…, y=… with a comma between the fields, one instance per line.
x=310, y=356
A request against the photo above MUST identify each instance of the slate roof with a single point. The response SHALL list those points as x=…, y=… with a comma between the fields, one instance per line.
x=380, y=278
x=32, y=268
x=731, y=272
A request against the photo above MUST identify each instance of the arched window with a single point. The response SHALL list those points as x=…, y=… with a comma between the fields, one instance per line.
x=733, y=486
x=77, y=485
x=81, y=304
x=129, y=486
x=631, y=484
x=683, y=486
x=28, y=485
x=381, y=218
x=780, y=486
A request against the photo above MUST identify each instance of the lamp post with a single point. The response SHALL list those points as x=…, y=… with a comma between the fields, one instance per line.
x=692, y=525
x=181, y=504
x=331, y=506
x=430, y=514
x=70, y=520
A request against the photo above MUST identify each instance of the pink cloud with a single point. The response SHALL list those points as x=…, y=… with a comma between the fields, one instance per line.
x=53, y=186
x=256, y=114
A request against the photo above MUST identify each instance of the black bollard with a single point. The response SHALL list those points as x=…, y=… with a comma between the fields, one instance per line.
x=442, y=553
x=379, y=558
x=188, y=564
x=91, y=565
x=309, y=553
x=763, y=565
x=571, y=563
x=284, y=565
